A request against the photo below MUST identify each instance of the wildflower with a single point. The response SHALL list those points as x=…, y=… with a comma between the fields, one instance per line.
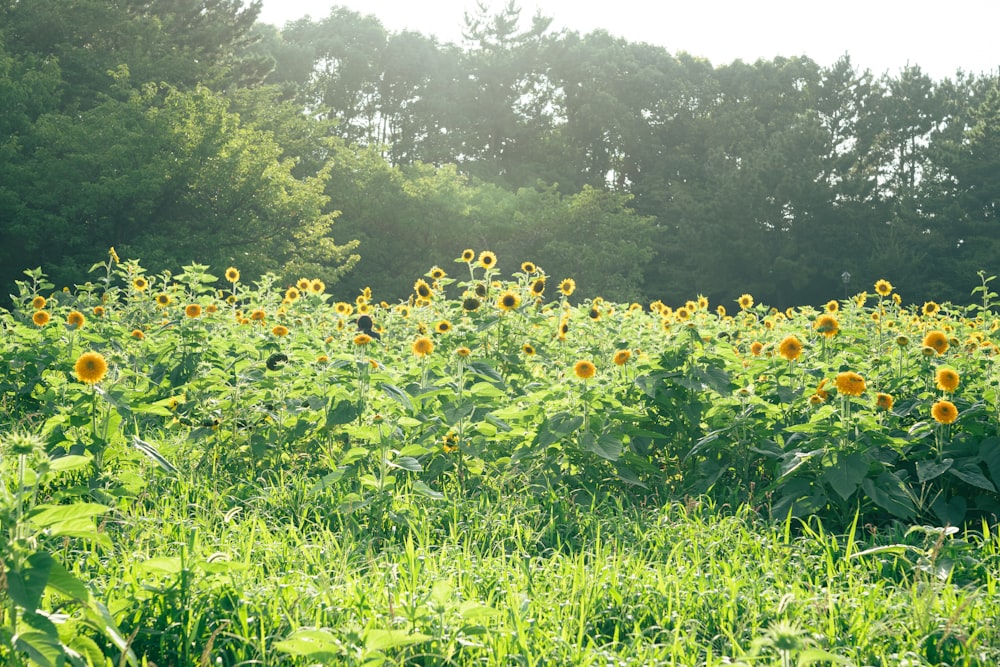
x=322, y=359
x=584, y=369
x=76, y=319
x=140, y=284
x=567, y=286
x=790, y=348
x=444, y=326
x=192, y=310
x=422, y=289
x=91, y=367
x=946, y=379
x=937, y=340
x=40, y=318
x=621, y=357
x=232, y=274
x=883, y=287
x=468, y=255
x=850, y=383
x=883, y=402
x=827, y=325
x=944, y=412
x=487, y=259
x=423, y=346
x=39, y=302
x=745, y=301
x=280, y=330
x=509, y=301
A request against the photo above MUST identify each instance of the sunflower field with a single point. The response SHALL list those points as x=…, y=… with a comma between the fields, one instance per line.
x=199, y=470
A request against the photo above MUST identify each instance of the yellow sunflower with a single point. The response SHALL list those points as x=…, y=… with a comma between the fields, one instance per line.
x=930, y=308
x=528, y=349
x=437, y=273
x=423, y=346
x=508, y=301
x=362, y=339
x=584, y=369
x=40, y=318
x=883, y=287
x=468, y=255
x=790, y=347
x=487, y=259
x=832, y=306
x=444, y=326
x=422, y=289
x=528, y=267
x=39, y=302
x=621, y=357
x=944, y=412
x=317, y=286
x=280, y=330
x=883, y=402
x=76, y=319
x=140, y=284
x=232, y=274
x=463, y=352
x=827, y=325
x=745, y=301
x=91, y=367
x=192, y=310
x=946, y=379
x=163, y=299
x=850, y=383
x=567, y=286
x=938, y=340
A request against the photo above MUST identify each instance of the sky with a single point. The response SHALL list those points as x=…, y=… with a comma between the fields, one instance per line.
x=880, y=35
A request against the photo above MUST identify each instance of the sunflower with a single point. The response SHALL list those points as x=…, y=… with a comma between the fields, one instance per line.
x=930, y=308
x=508, y=301
x=528, y=267
x=883, y=287
x=39, y=302
x=280, y=330
x=702, y=302
x=322, y=359
x=944, y=412
x=946, y=379
x=827, y=325
x=292, y=294
x=163, y=299
x=317, y=286
x=444, y=326
x=820, y=391
x=567, y=286
x=563, y=328
x=883, y=402
x=463, y=352
x=258, y=315
x=745, y=301
x=594, y=314
x=343, y=308
x=756, y=348
x=850, y=383
x=487, y=259
x=468, y=255
x=302, y=285
x=720, y=310
x=362, y=339
x=140, y=284
x=584, y=369
x=232, y=274
x=832, y=306
x=422, y=289
x=902, y=341
x=40, y=318
x=449, y=443
x=138, y=334
x=423, y=346
x=91, y=367
x=211, y=308
x=937, y=340
x=538, y=286
x=621, y=357
x=790, y=348
x=816, y=399
x=437, y=273
x=528, y=349
x=76, y=319
x=192, y=310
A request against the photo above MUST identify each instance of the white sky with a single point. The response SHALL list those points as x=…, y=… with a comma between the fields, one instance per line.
x=881, y=35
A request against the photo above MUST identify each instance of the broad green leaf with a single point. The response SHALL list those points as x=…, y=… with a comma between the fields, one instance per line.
x=606, y=446
x=154, y=455
x=26, y=584
x=343, y=412
x=383, y=640
x=397, y=394
x=405, y=463
x=64, y=583
x=421, y=488
x=314, y=644
x=928, y=470
x=44, y=649
x=969, y=472
x=44, y=516
x=846, y=474
x=69, y=462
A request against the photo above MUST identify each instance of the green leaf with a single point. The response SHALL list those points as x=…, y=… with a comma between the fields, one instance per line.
x=397, y=394
x=44, y=516
x=557, y=427
x=26, y=584
x=315, y=644
x=42, y=648
x=969, y=472
x=421, y=488
x=846, y=474
x=343, y=412
x=99, y=617
x=69, y=462
x=382, y=640
x=928, y=470
x=887, y=492
x=150, y=450
x=605, y=446
x=64, y=583
x=406, y=463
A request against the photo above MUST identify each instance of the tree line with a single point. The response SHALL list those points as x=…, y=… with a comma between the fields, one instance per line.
x=186, y=130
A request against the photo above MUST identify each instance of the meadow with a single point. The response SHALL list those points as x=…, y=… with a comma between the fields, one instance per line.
x=200, y=470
